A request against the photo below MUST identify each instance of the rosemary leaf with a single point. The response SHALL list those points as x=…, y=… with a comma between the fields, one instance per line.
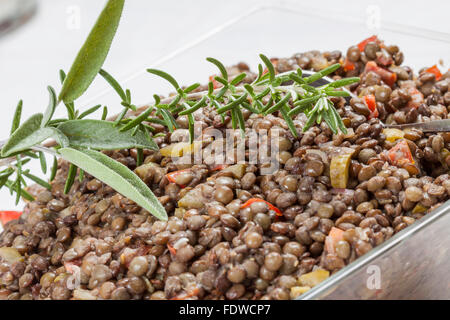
x=48, y=114
x=269, y=65
x=54, y=169
x=220, y=66
x=136, y=121
x=70, y=178
x=165, y=76
x=89, y=111
x=114, y=84
x=37, y=180
x=104, y=113
x=43, y=162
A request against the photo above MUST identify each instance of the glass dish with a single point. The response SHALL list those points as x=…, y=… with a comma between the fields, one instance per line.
x=415, y=262
x=412, y=264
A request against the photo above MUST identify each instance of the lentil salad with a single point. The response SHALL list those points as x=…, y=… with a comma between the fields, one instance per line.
x=334, y=198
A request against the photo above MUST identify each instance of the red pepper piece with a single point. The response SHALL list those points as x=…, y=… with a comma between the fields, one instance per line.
x=7, y=216
x=171, y=249
x=192, y=293
x=400, y=154
x=216, y=83
x=271, y=206
x=387, y=76
x=371, y=103
x=363, y=43
x=348, y=65
x=416, y=97
x=171, y=176
x=435, y=70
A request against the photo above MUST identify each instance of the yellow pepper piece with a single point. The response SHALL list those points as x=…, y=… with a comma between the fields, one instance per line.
x=339, y=168
x=313, y=278
x=393, y=134
x=179, y=149
x=419, y=208
x=298, y=291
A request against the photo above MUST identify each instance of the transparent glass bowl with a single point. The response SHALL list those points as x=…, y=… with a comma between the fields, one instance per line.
x=415, y=263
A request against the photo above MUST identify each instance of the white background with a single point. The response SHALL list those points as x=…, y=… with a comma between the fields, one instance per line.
x=31, y=56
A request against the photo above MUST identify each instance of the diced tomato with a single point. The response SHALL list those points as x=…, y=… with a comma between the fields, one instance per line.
x=7, y=216
x=171, y=249
x=400, y=154
x=171, y=176
x=435, y=70
x=219, y=167
x=271, y=206
x=216, y=84
x=416, y=97
x=387, y=76
x=371, y=103
x=332, y=239
x=192, y=293
x=348, y=65
x=363, y=43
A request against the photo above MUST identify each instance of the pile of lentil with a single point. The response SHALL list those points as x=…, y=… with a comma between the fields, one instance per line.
x=213, y=246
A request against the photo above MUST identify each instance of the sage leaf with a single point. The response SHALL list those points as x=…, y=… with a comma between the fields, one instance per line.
x=92, y=55
x=30, y=134
x=51, y=107
x=117, y=176
x=103, y=135
x=17, y=115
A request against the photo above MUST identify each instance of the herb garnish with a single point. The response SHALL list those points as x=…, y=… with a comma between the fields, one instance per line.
x=79, y=140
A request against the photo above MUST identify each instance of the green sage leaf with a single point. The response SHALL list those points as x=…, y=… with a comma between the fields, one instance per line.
x=92, y=55
x=103, y=135
x=30, y=134
x=17, y=115
x=117, y=176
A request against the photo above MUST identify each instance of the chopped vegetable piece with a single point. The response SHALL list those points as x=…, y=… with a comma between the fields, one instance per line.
x=416, y=97
x=10, y=255
x=238, y=170
x=298, y=291
x=179, y=177
x=339, y=168
x=419, y=208
x=216, y=84
x=171, y=249
x=362, y=44
x=191, y=293
x=7, y=216
x=192, y=200
x=387, y=76
x=181, y=148
x=348, y=65
x=271, y=206
x=435, y=70
x=332, y=239
x=371, y=103
x=393, y=134
x=219, y=167
x=313, y=278
x=400, y=154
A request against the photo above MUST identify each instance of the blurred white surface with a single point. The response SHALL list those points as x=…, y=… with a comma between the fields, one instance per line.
x=150, y=31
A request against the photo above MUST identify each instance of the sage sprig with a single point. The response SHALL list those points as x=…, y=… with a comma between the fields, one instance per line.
x=79, y=140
